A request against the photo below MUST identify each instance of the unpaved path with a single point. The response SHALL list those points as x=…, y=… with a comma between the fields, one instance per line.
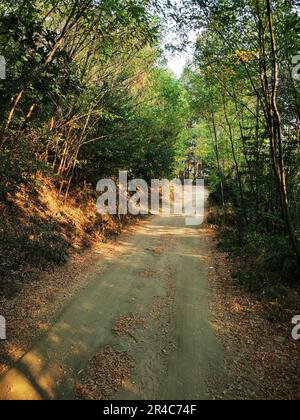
x=158, y=276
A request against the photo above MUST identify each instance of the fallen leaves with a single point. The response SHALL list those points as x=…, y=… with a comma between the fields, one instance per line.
x=107, y=372
x=262, y=362
x=126, y=325
x=148, y=274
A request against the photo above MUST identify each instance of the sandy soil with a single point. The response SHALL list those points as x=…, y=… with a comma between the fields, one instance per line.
x=153, y=315
x=147, y=301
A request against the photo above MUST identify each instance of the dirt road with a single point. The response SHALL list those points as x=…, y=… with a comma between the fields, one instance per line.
x=158, y=281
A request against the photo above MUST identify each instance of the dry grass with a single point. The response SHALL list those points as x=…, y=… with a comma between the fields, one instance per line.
x=38, y=232
x=262, y=360
x=47, y=250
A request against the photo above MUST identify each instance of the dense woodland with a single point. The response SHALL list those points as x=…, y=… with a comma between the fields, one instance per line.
x=87, y=93
x=244, y=88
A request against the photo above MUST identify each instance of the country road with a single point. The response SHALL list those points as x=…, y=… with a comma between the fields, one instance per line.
x=159, y=274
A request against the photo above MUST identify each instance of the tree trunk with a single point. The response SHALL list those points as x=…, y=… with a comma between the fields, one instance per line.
x=218, y=159
x=276, y=141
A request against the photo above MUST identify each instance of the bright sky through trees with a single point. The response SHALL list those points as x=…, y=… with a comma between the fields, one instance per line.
x=177, y=60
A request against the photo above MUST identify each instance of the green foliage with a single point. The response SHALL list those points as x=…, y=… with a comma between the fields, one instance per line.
x=145, y=131
x=84, y=96
x=250, y=144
